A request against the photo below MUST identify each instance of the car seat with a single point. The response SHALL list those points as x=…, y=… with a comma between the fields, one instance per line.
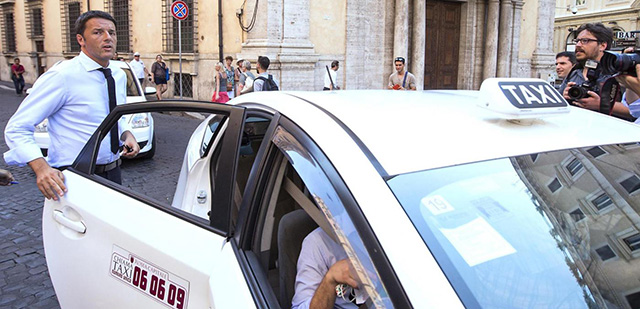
x=292, y=230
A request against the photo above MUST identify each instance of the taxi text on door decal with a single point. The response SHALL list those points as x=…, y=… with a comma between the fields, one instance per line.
x=161, y=285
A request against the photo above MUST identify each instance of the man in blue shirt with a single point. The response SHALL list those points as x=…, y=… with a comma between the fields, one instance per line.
x=74, y=96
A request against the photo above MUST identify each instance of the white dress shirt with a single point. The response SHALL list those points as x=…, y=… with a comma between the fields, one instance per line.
x=334, y=76
x=138, y=68
x=73, y=95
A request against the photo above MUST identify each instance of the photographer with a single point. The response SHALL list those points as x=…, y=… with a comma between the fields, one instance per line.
x=631, y=97
x=592, y=41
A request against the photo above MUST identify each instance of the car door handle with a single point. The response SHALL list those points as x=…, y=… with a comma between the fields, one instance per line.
x=71, y=224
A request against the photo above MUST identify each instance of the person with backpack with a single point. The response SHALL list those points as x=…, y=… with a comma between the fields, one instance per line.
x=245, y=83
x=264, y=81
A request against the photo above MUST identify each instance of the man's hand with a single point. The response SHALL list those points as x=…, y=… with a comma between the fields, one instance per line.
x=325, y=295
x=631, y=82
x=50, y=181
x=131, y=147
x=5, y=178
x=591, y=102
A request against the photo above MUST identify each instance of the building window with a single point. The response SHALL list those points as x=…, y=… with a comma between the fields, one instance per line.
x=36, y=22
x=188, y=29
x=605, y=252
x=631, y=184
x=71, y=11
x=574, y=166
x=187, y=85
x=120, y=10
x=633, y=242
x=596, y=151
x=602, y=201
x=577, y=215
x=8, y=29
x=554, y=185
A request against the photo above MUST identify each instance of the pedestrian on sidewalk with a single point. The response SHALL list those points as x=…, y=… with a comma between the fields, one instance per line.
x=159, y=71
x=401, y=79
x=331, y=78
x=16, y=75
x=220, y=94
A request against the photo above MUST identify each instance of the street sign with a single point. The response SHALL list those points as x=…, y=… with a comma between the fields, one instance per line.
x=179, y=10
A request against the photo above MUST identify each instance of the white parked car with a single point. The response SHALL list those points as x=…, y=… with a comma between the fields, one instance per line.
x=500, y=198
x=141, y=123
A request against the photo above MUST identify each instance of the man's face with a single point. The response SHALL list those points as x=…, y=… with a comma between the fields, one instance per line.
x=228, y=61
x=17, y=61
x=99, y=40
x=563, y=66
x=136, y=57
x=589, y=50
x=399, y=66
x=336, y=67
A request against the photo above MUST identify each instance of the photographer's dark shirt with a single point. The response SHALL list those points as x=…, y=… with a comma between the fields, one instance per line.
x=576, y=76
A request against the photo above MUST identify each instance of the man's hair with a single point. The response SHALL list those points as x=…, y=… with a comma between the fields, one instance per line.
x=401, y=59
x=246, y=64
x=84, y=17
x=264, y=62
x=228, y=58
x=568, y=54
x=16, y=58
x=600, y=31
x=335, y=63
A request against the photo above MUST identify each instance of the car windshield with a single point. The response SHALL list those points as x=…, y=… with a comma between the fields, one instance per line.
x=555, y=229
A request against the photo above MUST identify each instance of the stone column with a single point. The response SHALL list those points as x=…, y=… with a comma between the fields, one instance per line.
x=478, y=44
x=542, y=59
x=505, y=38
x=401, y=30
x=517, y=20
x=491, y=40
x=418, y=44
x=281, y=33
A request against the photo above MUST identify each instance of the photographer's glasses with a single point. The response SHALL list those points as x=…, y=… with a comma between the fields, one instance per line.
x=584, y=41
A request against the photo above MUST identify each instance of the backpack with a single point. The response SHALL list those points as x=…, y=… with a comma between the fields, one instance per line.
x=269, y=84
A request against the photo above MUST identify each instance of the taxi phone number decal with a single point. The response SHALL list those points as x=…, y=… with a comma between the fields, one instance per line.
x=161, y=285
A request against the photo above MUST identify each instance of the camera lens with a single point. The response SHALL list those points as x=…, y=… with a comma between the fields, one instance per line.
x=577, y=92
x=626, y=63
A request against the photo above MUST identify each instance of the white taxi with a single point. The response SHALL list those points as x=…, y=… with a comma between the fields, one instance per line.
x=500, y=198
x=141, y=124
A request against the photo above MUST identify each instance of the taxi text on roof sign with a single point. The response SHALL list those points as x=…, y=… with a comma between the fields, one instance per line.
x=518, y=98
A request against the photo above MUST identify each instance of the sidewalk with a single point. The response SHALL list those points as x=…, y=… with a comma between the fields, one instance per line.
x=8, y=85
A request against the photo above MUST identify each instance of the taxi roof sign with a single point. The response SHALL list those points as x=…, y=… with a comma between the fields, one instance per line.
x=521, y=98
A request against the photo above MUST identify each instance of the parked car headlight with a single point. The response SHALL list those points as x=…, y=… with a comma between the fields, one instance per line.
x=140, y=121
x=43, y=126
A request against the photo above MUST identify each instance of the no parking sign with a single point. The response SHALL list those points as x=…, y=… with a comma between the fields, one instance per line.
x=179, y=10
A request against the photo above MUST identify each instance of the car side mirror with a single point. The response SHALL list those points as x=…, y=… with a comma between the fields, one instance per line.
x=149, y=91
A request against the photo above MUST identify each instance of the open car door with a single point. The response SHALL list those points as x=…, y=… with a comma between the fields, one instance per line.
x=108, y=246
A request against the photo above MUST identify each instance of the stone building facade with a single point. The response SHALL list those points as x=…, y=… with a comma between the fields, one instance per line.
x=447, y=44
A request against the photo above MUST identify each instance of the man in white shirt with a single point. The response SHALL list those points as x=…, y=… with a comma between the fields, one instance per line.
x=331, y=78
x=74, y=96
x=139, y=69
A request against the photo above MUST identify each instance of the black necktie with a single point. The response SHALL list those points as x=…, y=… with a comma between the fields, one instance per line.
x=111, y=85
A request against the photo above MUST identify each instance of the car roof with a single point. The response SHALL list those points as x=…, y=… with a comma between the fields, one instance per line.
x=408, y=131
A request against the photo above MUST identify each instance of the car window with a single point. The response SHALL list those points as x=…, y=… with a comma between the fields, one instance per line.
x=555, y=229
x=132, y=87
x=299, y=198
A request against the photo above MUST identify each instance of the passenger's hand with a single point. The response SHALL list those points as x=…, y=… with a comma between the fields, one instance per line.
x=5, y=178
x=340, y=272
x=591, y=102
x=50, y=181
x=131, y=147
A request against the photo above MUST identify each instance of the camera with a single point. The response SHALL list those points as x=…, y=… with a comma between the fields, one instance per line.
x=577, y=92
x=621, y=63
x=574, y=10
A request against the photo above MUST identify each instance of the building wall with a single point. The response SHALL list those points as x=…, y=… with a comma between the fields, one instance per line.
x=301, y=37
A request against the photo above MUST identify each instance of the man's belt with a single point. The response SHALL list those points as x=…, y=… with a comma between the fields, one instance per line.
x=102, y=168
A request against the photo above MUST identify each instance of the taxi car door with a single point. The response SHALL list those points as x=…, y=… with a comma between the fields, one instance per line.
x=110, y=247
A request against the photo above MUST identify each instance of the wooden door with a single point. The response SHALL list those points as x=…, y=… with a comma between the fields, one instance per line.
x=442, y=45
